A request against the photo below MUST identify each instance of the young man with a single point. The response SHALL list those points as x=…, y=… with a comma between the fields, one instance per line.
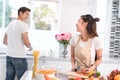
x=15, y=38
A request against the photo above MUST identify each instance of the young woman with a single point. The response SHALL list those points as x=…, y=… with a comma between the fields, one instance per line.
x=86, y=46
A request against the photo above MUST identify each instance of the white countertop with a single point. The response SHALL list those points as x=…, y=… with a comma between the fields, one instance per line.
x=27, y=76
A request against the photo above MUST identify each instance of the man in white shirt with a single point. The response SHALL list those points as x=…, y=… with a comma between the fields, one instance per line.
x=15, y=38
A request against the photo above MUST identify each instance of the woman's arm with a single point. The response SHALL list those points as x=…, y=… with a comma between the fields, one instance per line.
x=98, y=50
x=98, y=60
x=73, y=56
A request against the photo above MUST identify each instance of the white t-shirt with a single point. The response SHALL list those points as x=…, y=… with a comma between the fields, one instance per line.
x=15, y=47
x=96, y=44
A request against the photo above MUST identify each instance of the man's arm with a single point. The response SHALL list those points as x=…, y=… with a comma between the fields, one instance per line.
x=26, y=40
x=5, y=39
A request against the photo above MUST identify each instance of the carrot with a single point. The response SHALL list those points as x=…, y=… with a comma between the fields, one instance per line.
x=46, y=77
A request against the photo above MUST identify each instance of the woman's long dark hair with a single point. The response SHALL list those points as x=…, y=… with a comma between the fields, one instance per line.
x=91, y=26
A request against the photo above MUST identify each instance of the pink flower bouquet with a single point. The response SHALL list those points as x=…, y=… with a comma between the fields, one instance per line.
x=63, y=38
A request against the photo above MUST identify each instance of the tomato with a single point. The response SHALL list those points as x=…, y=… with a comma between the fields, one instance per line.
x=83, y=71
x=78, y=78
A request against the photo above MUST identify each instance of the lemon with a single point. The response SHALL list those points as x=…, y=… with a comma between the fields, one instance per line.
x=91, y=72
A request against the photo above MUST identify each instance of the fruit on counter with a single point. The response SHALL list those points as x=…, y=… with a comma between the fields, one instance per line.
x=83, y=71
x=113, y=74
x=98, y=73
x=78, y=78
x=117, y=77
x=99, y=78
x=94, y=74
x=91, y=78
x=91, y=72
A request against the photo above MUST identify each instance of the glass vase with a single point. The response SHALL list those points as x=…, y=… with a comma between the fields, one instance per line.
x=63, y=50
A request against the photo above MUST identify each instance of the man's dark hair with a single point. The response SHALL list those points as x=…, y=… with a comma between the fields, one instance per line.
x=23, y=9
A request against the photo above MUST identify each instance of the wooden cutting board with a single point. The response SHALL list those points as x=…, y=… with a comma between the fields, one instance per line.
x=74, y=75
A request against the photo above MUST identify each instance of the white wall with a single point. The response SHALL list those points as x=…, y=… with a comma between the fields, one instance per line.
x=72, y=10
x=103, y=13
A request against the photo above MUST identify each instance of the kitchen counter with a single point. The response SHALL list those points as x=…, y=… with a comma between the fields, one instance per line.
x=42, y=58
x=43, y=55
x=57, y=62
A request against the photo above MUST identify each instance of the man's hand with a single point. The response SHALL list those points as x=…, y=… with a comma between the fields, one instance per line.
x=30, y=48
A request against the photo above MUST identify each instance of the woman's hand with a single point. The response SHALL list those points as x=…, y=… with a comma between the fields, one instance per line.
x=74, y=69
x=86, y=70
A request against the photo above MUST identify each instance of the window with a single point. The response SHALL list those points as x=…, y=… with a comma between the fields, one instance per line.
x=114, y=42
x=5, y=12
x=44, y=24
x=43, y=21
